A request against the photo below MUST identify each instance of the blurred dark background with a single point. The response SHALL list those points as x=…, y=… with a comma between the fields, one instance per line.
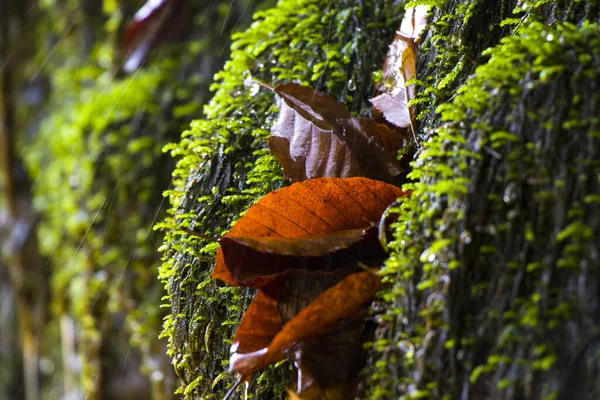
x=90, y=92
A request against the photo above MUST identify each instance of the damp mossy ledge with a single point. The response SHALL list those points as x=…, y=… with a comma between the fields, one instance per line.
x=224, y=165
x=494, y=274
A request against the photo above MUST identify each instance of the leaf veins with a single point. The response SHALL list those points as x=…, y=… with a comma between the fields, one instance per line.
x=315, y=136
x=275, y=234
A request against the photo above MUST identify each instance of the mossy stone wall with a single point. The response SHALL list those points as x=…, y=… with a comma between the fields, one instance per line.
x=495, y=274
x=451, y=281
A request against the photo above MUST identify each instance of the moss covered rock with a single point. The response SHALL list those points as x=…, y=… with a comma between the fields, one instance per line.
x=495, y=273
x=463, y=273
x=224, y=166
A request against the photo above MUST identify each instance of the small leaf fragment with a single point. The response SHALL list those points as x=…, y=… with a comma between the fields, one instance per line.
x=154, y=22
x=414, y=22
x=399, y=67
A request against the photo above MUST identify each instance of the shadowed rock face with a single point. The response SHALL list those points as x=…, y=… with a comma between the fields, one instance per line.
x=497, y=275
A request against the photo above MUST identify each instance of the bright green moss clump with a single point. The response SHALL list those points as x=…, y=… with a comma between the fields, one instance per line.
x=495, y=269
x=224, y=165
x=99, y=174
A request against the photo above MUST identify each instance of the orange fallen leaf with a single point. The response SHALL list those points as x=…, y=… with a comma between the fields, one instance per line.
x=304, y=210
x=338, y=303
x=304, y=247
x=259, y=326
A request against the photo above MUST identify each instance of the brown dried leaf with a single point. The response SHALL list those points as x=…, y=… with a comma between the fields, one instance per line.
x=314, y=106
x=327, y=367
x=315, y=136
x=414, y=22
x=324, y=366
x=399, y=67
x=377, y=146
x=338, y=303
x=278, y=302
x=256, y=267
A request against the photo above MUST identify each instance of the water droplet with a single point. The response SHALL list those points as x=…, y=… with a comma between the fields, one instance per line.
x=157, y=376
x=261, y=65
x=351, y=85
x=74, y=181
x=254, y=89
x=550, y=37
x=465, y=237
x=412, y=390
x=407, y=348
x=101, y=275
x=46, y=366
x=510, y=193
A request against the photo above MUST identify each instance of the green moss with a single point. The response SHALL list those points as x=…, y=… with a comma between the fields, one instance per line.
x=500, y=282
x=99, y=170
x=95, y=177
x=223, y=165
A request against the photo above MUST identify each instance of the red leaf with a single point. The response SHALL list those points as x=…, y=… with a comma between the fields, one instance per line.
x=306, y=209
x=336, y=304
